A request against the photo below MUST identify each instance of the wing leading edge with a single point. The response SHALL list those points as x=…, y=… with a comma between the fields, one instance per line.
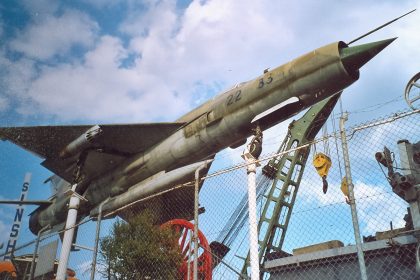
x=47, y=142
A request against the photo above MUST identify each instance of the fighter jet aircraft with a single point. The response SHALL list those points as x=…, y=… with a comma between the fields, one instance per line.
x=124, y=163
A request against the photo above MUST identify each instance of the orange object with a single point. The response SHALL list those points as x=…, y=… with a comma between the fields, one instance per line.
x=185, y=230
x=71, y=274
x=7, y=268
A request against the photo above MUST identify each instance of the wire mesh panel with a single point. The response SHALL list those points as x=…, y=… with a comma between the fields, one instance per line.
x=319, y=240
x=154, y=238
x=320, y=236
x=226, y=219
x=35, y=258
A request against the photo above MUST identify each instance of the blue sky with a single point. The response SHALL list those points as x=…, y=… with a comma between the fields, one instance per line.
x=68, y=62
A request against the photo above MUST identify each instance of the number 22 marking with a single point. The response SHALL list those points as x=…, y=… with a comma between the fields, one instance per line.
x=234, y=97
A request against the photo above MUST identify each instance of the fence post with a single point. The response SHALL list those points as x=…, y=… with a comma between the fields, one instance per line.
x=352, y=201
x=95, y=250
x=196, y=204
x=34, y=256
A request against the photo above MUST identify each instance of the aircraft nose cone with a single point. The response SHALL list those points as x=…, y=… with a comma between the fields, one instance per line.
x=353, y=58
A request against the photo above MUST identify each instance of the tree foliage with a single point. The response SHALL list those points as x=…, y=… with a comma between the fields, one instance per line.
x=140, y=249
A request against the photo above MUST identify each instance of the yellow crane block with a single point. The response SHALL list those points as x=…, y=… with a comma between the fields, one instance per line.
x=322, y=164
x=344, y=187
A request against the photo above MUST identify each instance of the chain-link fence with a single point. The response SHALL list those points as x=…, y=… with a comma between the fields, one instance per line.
x=312, y=237
x=325, y=219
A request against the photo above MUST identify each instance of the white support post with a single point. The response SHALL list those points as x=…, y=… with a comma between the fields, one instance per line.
x=68, y=234
x=196, y=205
x=253, y=224
x=253, y=232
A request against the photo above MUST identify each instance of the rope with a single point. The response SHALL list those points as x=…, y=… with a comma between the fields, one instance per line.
x=336, y=145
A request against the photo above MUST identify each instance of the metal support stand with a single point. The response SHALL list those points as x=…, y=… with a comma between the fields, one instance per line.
x=253, y=232
x=68, y=234
x=352, y=201
x=251, y=160
x=196, y=205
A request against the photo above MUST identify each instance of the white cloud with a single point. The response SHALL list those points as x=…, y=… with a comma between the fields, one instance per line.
x=4, y=104
x=100, y=4
x=386, y=75
x=40, y=8
x=99, y=88
x=53, y=36
x=311, y=190
x=376, y=205
x=377, y=208
x=169, y=68
x=17, y=75
x=175, y=59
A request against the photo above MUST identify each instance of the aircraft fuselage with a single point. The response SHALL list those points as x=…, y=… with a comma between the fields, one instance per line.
x=227, y=120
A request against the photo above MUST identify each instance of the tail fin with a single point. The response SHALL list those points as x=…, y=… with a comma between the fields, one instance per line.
x=57, y=185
